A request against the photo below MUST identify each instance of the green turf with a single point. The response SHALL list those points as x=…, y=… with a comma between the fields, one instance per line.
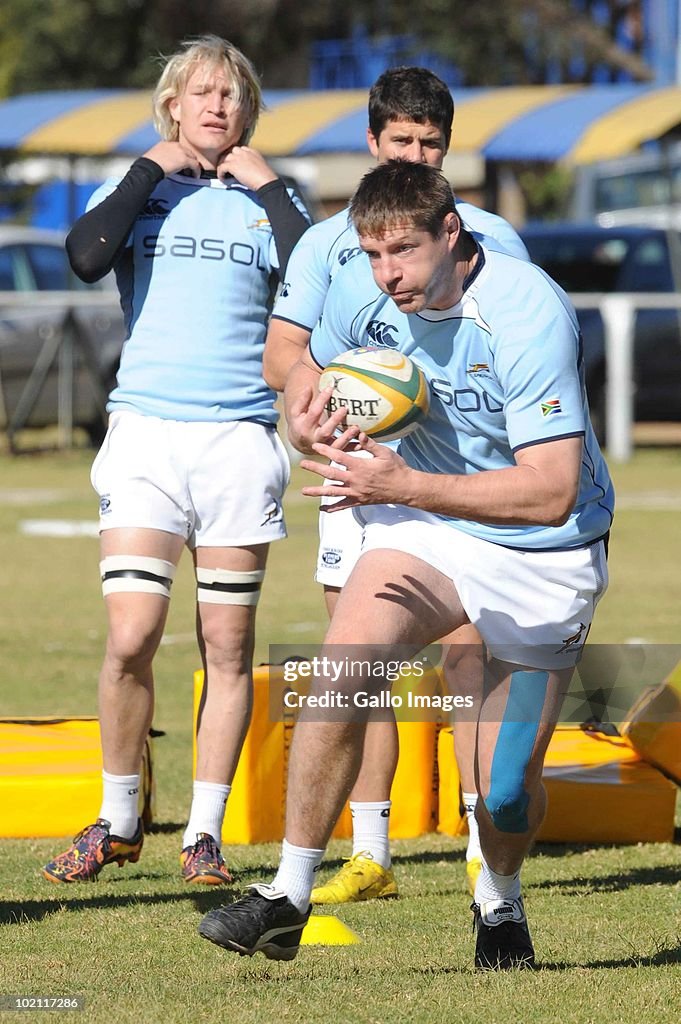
x=606, y=920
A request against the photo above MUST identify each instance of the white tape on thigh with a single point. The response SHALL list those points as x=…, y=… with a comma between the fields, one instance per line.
x=135, y=573
x=224, y=586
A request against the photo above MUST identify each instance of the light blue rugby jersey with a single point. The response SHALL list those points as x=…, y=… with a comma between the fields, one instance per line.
x=328, y=246
x=197, y=283
x=505, y=372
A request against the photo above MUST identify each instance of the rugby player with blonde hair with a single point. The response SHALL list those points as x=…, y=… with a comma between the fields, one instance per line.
x=197, y=232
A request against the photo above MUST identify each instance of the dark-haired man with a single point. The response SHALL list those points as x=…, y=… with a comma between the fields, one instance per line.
x=496, y=512
x=410, y=118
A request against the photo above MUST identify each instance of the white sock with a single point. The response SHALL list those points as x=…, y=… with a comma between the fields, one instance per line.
x=120, y=799
x=370, y=824
x=492, y=886
x=207, y=813
x=473, y=849
x=296, y=874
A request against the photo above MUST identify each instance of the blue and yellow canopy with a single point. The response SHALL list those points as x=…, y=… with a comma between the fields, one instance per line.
x=552, y=122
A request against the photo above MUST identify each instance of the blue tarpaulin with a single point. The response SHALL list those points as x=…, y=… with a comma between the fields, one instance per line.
x=575, y=123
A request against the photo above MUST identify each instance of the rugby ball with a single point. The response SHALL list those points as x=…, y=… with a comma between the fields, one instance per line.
x=385, y=393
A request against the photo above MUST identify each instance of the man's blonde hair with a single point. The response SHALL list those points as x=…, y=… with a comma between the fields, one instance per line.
x=214, y=54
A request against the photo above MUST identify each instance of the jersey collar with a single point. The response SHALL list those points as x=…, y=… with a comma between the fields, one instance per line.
x=446, y=314
x=208, y=179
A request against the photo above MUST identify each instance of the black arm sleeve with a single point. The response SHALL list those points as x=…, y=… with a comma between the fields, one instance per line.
x=288, y=223
x=97, y=238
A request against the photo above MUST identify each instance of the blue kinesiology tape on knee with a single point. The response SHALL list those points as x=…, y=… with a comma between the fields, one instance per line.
x=508, y=799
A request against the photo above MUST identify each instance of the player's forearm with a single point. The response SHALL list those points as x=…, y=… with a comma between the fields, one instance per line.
x=287, y=222
x=517, y=496
x=284, y=346
x=300, y=379
x=98, y=237
x=302, y=386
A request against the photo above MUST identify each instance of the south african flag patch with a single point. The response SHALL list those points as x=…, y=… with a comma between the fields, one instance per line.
x=550, y=407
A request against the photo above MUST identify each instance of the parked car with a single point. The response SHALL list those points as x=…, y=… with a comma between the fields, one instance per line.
x=641, y=188
x=34, y=261
x=590, y=258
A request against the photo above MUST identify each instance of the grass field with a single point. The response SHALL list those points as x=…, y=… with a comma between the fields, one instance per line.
x=606, y=921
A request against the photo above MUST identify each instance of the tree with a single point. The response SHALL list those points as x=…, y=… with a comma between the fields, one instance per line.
x=52, y=44
x=61, y=44
x=511, y=42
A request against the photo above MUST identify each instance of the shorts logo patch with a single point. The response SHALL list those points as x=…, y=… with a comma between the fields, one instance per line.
x=285, y=290
x=272, y=514
x=550, y=407
x=331, y=557
x=572, y=640
x=104, y=504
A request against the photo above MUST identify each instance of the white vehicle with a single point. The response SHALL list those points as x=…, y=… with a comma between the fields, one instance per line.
x=641, y=189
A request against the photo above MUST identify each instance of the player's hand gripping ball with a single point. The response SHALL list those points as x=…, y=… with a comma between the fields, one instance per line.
x=385, y=393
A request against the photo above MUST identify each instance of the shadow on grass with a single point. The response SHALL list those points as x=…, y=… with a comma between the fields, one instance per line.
x=667, y=874
x=405, y=859
x=163, y=828
x=72, y=900
x=662, y=958
x=23, y=911
x=558, y=850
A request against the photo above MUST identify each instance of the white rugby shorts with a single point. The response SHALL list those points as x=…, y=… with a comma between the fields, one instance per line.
x=340, y=540
x=215, y=484
x=340, y=545
x=532, y=608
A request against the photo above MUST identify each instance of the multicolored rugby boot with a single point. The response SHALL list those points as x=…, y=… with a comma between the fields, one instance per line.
x=203, y=864
x=92, y=848
x=360, y=878
x=502, y=941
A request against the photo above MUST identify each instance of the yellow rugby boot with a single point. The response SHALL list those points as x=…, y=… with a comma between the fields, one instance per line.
x=473, y=869
x=360, y=878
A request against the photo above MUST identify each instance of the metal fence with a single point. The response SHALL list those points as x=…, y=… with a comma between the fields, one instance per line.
x=61, y=346
x=618, y=313
x=44, y=344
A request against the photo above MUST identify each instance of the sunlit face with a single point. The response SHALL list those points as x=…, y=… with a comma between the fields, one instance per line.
x=413, y=268
x=408, y=140
x=209, y=120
